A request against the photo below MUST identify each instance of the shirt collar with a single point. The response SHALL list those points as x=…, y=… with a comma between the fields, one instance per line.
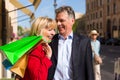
x=93, y=40
x=70, y=36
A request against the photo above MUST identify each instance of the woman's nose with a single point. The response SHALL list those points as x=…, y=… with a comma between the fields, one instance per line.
x=53, y=32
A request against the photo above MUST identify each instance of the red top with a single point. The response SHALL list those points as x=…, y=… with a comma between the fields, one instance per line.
x=38, y=65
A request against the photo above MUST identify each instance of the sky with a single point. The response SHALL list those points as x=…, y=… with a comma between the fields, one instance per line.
x=46, y=8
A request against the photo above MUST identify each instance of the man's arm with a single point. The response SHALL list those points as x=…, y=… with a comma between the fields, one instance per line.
x=89, y=62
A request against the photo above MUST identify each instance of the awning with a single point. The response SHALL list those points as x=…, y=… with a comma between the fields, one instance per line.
x=22, y=8
x=35, y=3
x=32, y=17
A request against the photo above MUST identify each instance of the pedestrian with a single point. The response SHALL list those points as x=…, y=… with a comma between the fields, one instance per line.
x=96, y=54
x=72, y=54
x=39, y=58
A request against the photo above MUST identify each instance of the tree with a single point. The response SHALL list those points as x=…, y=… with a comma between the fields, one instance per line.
x=20, y=31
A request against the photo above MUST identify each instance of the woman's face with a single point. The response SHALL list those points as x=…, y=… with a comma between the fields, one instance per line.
x=47, y=34
x=94, y=36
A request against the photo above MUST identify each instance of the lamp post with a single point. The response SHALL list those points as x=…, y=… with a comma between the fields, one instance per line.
x=55, y=4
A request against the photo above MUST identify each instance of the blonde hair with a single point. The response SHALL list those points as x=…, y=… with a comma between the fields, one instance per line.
x=41, y=23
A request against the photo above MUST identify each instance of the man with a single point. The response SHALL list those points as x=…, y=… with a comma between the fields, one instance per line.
x=72, y=54
x=96, y=51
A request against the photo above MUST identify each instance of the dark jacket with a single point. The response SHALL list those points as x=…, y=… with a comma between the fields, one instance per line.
x=81, y=56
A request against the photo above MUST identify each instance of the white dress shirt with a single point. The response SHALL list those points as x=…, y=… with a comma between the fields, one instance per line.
x=64, y=69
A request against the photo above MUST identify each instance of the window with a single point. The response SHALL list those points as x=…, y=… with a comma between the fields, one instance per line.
x=93, y=27
x=97, y=2
x=100, y=13
x=108, y=1
x=108, y=10
x=88, y=27
x=91, y=17
x=87, y=6
x=100, y=2
x=100, y=25
x=96, y=15
x=97, y=26
x=114, y=8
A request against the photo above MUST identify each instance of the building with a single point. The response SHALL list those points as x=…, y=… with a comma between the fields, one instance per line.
x=104, y=16
x=79, y=23
x=8, y=26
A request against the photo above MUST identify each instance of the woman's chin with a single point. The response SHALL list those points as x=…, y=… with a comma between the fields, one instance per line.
x=47, y=40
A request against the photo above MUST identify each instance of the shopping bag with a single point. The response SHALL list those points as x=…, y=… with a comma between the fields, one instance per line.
x=7, y=64
x=15, y=50
x=20, y=66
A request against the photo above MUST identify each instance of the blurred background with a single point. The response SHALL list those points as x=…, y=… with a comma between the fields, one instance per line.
x=16, y=17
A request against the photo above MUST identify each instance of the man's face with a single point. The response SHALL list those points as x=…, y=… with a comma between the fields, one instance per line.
x=94, y=36
x=64, y=23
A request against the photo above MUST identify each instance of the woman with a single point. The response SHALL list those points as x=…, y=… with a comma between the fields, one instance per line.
x=95, y=44
x=39, y=58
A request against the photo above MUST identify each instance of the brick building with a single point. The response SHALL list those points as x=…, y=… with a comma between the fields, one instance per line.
x=104, y=16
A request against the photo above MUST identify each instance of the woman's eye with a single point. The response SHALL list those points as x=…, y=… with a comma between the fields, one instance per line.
x=49, y=29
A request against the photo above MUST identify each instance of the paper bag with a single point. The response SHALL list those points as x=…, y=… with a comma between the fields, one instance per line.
x=15, y=50
x=20, y=66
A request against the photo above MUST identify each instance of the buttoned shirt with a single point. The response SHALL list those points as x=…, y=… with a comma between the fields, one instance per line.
x=64, y=69
x=96, y=46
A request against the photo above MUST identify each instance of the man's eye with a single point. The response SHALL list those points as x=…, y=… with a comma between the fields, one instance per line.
x=61, y=20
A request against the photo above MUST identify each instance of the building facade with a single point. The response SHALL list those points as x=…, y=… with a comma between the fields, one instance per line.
x=80, y=25
x=104, y=16
x=8, y=26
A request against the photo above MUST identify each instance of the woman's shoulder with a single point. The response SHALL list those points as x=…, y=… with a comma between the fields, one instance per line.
x=37, y=51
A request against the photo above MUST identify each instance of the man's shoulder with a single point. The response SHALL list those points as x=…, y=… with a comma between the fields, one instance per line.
x=55, y=36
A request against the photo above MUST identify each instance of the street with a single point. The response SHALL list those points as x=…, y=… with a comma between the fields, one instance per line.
x=109, y=54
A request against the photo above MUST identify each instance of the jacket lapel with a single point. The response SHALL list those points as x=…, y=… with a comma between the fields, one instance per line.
x=55, y=46
x=75, y=48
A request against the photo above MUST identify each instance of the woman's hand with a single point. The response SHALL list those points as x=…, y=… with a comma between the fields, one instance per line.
x=17, y=77
x=47, y=50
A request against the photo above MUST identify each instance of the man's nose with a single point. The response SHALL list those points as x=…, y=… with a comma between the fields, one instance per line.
x=58, y=23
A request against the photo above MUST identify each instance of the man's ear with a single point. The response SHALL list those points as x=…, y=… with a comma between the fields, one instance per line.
x=73, y=21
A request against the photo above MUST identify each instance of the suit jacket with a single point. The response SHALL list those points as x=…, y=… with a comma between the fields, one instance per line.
x=81, y=56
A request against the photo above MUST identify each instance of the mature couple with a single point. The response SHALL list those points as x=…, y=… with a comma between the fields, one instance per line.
x=69, y=56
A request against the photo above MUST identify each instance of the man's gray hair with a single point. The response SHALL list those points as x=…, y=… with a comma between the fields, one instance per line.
x=67, y=9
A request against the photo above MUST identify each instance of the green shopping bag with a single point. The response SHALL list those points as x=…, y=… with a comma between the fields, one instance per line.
x=15, y=50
